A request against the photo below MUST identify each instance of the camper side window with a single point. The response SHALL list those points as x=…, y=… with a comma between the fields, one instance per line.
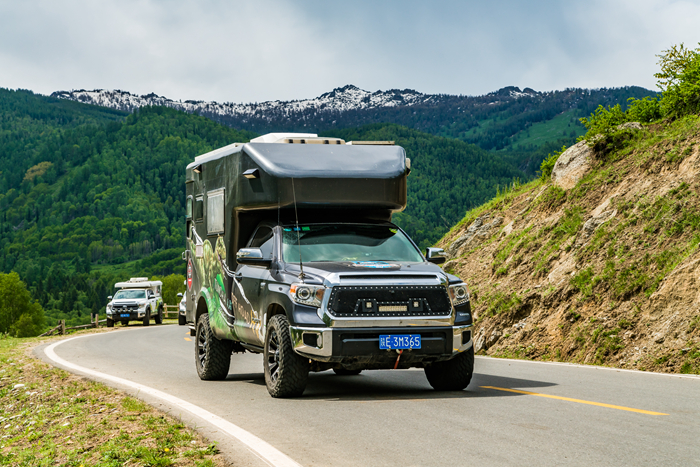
x=215, y=212
x=199, y=209
x=263, y=239
x=189, y=207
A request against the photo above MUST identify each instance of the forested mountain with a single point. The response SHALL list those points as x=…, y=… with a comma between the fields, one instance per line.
x=84, y=189
x=525, y=124
x=89, y=195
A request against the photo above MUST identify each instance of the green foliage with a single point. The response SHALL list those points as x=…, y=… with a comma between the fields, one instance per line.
x=91, y=189
x=604, y=121
x=20, y=316
x=679, y=80
x=501, y=302
x=645, y=110
x=172, y=285
x=548, y=164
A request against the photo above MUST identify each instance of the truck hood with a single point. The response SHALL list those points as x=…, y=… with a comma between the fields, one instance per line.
x=319, y=271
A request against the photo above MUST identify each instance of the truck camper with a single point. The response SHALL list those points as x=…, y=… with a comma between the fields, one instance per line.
x=291, y=253
x=137, y=300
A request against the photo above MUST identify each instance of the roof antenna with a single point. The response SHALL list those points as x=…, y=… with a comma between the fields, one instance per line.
x=296, y=217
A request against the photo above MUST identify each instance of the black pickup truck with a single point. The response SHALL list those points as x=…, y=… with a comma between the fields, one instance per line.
x=320, y=279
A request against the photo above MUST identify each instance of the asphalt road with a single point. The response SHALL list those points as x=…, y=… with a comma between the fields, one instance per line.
x=393, y=418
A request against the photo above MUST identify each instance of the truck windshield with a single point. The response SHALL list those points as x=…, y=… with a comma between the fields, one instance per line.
x=347, y=243
x=127, y=294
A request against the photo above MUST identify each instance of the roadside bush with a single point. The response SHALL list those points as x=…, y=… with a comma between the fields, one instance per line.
x=20, y=316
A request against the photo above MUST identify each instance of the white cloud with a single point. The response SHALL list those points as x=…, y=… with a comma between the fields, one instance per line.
x=283, y=49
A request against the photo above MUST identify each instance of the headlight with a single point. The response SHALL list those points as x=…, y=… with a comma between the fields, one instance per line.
x=143, y=307
x=459, y=294
x=311, y=295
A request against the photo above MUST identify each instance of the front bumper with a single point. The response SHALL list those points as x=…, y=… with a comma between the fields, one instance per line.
x=126, y=316
x=360, y=346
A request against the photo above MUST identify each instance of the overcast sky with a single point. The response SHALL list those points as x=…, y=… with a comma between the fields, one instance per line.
x=236, y=51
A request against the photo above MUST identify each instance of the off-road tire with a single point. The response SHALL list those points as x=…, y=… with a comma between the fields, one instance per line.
x=159, y=316
x=452, y=375
x=286, y=372
x=110, y=323
x=344, y=372
x=211, y=355
x=125, y=323
x=147, y=318
x=181, y=319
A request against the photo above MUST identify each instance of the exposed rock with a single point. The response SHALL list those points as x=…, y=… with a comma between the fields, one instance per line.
x=630, y=126
x=592, y=224
x=477, y=232
x=562, y=270
x=572, y=165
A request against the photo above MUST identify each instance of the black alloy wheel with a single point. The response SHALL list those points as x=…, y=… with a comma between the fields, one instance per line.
x=159, y=316
x=147, y=318
x=212, y=355
x=286, y=372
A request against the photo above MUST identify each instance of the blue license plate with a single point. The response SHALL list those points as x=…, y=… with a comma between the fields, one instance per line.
x=399, y=341
x=124, y=315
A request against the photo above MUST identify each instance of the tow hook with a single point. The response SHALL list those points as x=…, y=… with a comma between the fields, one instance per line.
x=397, y=359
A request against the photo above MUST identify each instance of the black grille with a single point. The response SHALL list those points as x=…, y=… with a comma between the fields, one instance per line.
x=403, y=300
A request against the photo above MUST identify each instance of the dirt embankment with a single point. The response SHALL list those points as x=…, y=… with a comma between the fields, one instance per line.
x=601, y=265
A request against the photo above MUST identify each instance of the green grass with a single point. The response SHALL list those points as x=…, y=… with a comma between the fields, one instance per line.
x=50, y=417
x=564, y=125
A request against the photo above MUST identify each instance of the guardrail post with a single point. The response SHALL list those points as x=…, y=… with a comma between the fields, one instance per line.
x=62, y=329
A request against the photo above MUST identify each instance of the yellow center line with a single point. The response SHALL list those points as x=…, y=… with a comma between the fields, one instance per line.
x=188, y=339
x=599, y=404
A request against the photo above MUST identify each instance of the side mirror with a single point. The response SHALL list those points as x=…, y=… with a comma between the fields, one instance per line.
x=109, y=298
x=435, y=255
x=179, y=295
x=252, y=257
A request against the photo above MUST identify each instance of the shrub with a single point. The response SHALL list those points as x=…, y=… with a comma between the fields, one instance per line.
x=679, y=80
x=548, y=164
x=644, y=110
x=20, y=316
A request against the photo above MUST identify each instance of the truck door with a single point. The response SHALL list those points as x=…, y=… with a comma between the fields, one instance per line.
x=250, y=284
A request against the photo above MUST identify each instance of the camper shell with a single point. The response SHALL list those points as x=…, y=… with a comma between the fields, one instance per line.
x=138, y=299
x=245, y=204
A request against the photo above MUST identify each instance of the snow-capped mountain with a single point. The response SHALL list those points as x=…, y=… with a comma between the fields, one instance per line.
x=339, y=100
x=492, y=121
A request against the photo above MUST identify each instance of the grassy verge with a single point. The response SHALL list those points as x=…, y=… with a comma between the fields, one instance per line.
x=49, y=417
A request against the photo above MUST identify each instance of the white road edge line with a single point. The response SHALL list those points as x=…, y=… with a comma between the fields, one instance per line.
x=261, y=448
x=592, y=367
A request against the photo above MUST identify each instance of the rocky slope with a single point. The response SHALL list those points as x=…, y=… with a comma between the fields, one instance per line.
x=598, y=265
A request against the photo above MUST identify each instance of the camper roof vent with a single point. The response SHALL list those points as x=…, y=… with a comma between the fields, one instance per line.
x=296, y=138
x=138, y=279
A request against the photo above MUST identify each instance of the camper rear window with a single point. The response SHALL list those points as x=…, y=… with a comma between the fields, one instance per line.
x=347, y=243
